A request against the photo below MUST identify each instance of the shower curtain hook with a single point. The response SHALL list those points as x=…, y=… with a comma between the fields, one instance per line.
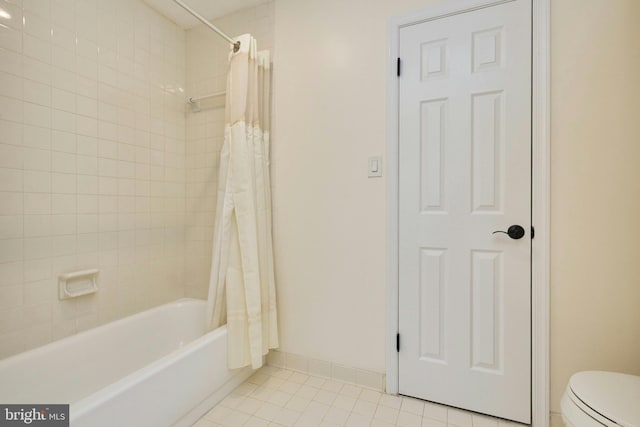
x=236, y=46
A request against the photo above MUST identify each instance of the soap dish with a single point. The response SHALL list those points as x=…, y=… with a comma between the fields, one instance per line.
x=77, y=283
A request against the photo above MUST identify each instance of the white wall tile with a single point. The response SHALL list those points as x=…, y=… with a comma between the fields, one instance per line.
x=10, y=133
x=63, y=100
x=87, y=106
x=13, y=16
x=37, y=70
x=87, y=242
x=107, y=148
x=126, y=169
x=63, y=121
x=37, y=248
x=11, y=179
x=41, y=7
x=11, y=250
x=10, y=296
x=126, y=152
x=107, y=185
x=37, y=93
x=63, y=162
x=63, y=183
x=87, y=145
x=11, y=62
x=36, y=48
x=11, y=156
x=37, y=137
x=11, y=203
x=86, y=86
x=63, y=58
x=37, y=203
x=37, y=225
x=11, y=109
x=11, y=226
x=36, y=336
x=34, y=271
x=37, y=181
x=87, y=223
x=63, y=141
x=63, y=203
x=69, y=168
x=63, y=37
x=63, y=79
x=87, y=49
x=11, y=273
x=107, y=167
x=87, y=165
x=37, y=25
x=10, y=38
x=63, y=245
x=87, y=184
x=86, y=126
x=87, y=68
x=10, y=85
x=37, y=115
x=36, y=159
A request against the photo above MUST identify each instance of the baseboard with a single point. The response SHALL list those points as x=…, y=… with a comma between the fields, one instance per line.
x=556, y=420
x=321, y=368
x=216, y=397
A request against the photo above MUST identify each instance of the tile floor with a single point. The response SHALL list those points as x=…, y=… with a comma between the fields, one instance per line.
x=279, y=397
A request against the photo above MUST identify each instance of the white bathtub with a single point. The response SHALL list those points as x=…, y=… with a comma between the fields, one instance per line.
x=155, y=368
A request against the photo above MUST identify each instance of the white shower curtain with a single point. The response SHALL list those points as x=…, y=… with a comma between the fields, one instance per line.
x=242, y=284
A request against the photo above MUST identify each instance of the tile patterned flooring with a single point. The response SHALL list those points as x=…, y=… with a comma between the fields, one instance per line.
x=279, y=397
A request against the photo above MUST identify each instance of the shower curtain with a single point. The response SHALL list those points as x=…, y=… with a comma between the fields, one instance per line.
x=242, y=283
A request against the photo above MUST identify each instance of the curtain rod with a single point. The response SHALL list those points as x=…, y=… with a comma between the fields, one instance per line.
x=236, y=44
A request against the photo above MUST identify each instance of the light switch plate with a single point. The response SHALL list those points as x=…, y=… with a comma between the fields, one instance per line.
x=375, y=166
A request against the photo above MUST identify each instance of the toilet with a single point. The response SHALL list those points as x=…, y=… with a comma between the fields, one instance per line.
x=597, y=398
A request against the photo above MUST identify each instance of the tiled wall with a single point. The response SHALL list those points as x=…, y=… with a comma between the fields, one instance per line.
x=207, y=60
x=92, y=163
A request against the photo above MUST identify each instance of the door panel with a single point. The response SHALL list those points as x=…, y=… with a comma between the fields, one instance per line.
x=465, y=172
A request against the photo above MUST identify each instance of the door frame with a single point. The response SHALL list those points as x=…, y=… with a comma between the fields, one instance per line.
x=540, y=194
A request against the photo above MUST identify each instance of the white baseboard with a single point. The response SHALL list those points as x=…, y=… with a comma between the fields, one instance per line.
x=321, y=368
x=556, y=420
x=216, y=397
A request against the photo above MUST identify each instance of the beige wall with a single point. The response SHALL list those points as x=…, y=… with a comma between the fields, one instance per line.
x=329, y=218
x=595, y=159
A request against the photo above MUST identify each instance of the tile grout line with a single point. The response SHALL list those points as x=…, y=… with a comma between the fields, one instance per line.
x=244, y=408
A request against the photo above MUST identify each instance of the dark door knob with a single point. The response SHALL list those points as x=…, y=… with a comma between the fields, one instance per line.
x=515, y=232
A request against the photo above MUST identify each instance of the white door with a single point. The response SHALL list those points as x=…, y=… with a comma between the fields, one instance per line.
x=465, y=172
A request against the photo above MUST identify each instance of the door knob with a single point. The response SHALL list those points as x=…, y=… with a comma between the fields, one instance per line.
x=515, y=232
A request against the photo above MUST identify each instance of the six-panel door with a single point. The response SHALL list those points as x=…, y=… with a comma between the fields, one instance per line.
x=465, y=172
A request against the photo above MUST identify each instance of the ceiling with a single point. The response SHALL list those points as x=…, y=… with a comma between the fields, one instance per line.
x=210, y=9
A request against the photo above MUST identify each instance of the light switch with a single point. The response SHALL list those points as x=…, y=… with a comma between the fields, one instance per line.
x=375, y=166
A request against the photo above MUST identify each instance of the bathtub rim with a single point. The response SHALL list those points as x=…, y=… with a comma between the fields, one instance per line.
x=105, y=327
x=94, y=400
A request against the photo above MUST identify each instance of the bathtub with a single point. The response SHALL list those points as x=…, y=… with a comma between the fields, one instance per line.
x=155, y=368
